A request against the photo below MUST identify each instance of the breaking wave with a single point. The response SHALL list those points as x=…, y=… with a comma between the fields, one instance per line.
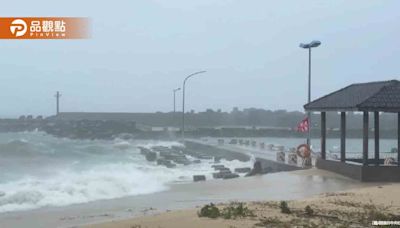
x=40, y=170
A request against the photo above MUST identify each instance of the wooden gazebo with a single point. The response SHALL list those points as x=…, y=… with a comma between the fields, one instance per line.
x=382, y=96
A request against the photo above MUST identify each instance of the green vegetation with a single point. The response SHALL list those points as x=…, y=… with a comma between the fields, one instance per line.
x=284, y=207
x=232, y=211
x=209, y=211
x=309, y=211
x=236, y=210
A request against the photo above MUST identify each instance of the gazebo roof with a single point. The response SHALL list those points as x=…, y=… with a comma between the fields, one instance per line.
x=381, y=96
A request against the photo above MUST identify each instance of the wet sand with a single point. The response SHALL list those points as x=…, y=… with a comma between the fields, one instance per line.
x=277, y=186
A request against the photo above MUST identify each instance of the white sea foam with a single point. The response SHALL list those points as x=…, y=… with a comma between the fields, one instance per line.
x=69, y=187
x=61, y=172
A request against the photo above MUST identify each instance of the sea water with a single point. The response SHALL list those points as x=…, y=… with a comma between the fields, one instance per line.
x=39, y=170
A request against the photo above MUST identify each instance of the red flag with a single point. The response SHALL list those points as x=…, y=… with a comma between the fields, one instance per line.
x=303, y=125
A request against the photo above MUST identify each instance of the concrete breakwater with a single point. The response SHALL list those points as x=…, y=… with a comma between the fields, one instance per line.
x=216, y=152
x=267, y=166
x=194, y=153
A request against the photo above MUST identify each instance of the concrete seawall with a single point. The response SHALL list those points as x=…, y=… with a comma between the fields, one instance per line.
x=269, y=165
x=216, y=151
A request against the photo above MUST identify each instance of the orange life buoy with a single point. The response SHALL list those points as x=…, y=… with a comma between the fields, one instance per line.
x=305, y=153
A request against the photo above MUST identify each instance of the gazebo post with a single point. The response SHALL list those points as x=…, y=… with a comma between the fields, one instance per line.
x=376, y=133
x=398, y=139
x=343, y=136
x=323, y=135
x=365, y=138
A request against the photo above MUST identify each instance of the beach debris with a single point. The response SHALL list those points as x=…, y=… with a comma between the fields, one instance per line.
x=197, y=178
x=221, y=142
x=242, y=170
x=253, y=143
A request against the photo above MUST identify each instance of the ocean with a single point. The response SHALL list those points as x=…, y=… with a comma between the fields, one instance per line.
x=38, y=170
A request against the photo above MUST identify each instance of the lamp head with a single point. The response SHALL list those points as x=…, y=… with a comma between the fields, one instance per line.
x=314, y=43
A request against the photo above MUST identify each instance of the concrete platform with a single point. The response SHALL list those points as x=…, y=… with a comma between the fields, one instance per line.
x=370, y=173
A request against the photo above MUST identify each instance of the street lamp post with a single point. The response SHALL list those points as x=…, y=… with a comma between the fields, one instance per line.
x=313, y=44
x=183, y=101
x=175, y=90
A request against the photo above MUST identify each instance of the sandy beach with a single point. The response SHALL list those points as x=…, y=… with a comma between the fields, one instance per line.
x=354, y=207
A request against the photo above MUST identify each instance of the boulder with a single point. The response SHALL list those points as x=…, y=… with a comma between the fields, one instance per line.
x=221, y=174
x=233, y=141
x=205, y=157
x=166, y=163
x=217, y=159
x=217, y=166
x=183, y=161
x=143, y=150
x=222, y=169
x=230, y=176
x=151, y=156
x=257, y=169
x=199, y=178
x=243, y=170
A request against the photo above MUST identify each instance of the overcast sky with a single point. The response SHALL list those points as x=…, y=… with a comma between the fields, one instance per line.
x=141, y=50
